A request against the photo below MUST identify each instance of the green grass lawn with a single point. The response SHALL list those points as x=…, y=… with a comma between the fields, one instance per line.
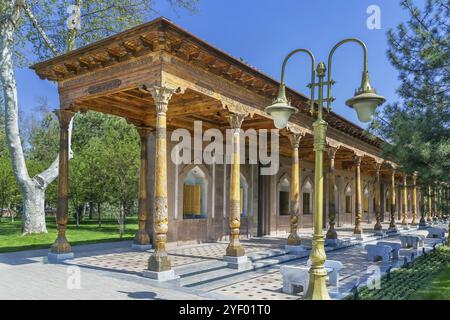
x=438, y=289
x=87, y=232
x=428, y=278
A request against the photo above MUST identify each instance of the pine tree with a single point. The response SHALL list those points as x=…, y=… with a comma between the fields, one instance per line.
x=418, y=127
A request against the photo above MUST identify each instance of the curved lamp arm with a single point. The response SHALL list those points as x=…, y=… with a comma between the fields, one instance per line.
x=330, y=58
x=313, y=72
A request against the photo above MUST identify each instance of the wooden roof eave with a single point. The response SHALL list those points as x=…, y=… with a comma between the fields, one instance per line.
x=164, y=26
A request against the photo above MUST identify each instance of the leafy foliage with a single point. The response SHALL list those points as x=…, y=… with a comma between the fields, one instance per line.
x=406, y=281
x=418, y=127
x=99, y=19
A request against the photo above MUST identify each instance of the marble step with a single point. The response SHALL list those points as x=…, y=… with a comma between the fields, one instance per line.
x=206, y=277
x=222, y=278
x=197, y=268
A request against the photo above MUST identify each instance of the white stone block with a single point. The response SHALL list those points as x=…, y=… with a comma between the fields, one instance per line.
x=239, y=263
x=141, y=247
x=59, y=257
x=160, y=276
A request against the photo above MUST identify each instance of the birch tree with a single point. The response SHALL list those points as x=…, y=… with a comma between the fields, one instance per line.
x=49, y=28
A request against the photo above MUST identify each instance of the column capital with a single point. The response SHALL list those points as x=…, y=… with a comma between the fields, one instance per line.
x=64, y=117
x=295, y=138
x=236, y=119
x=332, y=151
x=358, y=160
x=144, y=131
x=161, y=95
x=378, y=168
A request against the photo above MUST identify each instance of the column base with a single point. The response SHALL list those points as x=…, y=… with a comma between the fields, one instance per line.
x=159, y=262
x=59, y=257
x=161, y=275
x=381, y=233
x=141, y=247
x=142, y=238
x=359, y=236
x=423, y=226
x=239, y=263
x=392, y=232
x=296, y=250
x=332, y=242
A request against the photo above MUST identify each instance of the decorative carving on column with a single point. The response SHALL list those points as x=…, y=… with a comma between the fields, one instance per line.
x=142, y=238
x=331, y=233
x=159, y=261
x=358, y=196
x=378, y=204
x=392, y=225
x=293, y=238
x=61, y=245
x=405, y=201
x=414, y=200
x=235, y=248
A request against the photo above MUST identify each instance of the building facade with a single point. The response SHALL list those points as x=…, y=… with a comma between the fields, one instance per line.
x=163, y=79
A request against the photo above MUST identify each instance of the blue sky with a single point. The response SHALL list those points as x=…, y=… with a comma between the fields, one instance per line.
x=262, y=32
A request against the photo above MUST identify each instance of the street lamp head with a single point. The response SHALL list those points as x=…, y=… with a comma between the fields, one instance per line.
x=366, y=100
x=280, y=110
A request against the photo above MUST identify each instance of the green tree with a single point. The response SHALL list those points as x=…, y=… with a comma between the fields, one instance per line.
x=106, y=167
x=48, y=28
x=418, y=127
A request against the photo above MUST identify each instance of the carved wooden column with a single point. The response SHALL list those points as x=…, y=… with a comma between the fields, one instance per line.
x=378, y=205
x=331, y=233
x=414, y=200
x=142, y=239
x=405, y=201
x=392, y=225
x=358, y=196
x=159, y=263
x=61, y=249
x=235, y=248
x=423, y=221
x=293, y=238
x=430, y=204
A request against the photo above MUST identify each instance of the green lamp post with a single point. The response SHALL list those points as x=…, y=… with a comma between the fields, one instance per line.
x=365, y=102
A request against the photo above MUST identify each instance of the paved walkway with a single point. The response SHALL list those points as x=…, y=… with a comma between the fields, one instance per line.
x=112, y=271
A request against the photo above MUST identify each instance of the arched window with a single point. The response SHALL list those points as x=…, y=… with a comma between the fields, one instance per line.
x=195, y=188
x=284, y=197
x=244, y=196
x=348, y=199
x=307, y=192
x=366, y=199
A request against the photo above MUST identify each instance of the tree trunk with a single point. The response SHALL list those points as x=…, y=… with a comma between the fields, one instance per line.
x=121, y=220
x=99, y=215
x=11, y=212
x=91, y=210
x=33, y=216
x=83, y=213
x=33, y=189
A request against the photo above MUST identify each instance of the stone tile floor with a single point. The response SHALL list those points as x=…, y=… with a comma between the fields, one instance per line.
x=112, y=271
